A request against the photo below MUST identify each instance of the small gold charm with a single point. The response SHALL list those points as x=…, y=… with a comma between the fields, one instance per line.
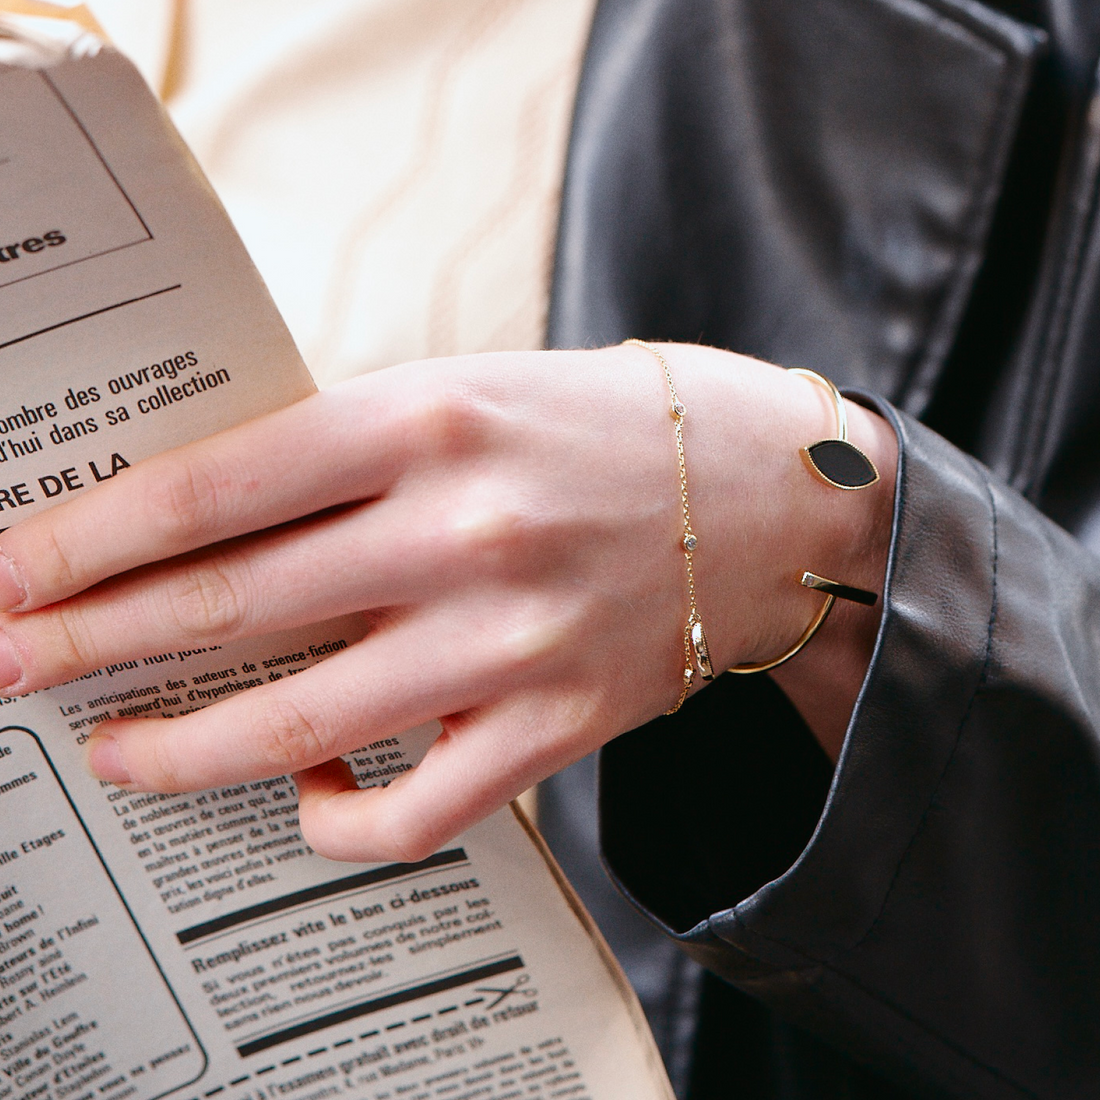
x=702, y=651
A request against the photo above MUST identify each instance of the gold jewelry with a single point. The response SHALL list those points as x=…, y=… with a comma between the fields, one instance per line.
x=696, y=652
x=844, y=466
x=836, y=461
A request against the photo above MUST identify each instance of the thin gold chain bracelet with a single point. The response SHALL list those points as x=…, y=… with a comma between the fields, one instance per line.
x=696, y=653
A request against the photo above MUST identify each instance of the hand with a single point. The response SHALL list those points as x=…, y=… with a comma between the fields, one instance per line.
x=510, y=526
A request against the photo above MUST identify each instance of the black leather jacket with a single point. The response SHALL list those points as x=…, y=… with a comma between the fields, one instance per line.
x=901, y=194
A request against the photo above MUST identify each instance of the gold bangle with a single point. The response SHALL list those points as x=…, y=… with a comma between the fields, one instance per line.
x=844, y=466
x=696, y=651
x=837, y=462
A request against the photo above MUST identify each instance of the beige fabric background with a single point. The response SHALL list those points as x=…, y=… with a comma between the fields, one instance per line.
x=393, y=166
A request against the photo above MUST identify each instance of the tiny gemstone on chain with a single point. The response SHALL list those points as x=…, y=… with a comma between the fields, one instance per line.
x=690, y=541
x=678, y=410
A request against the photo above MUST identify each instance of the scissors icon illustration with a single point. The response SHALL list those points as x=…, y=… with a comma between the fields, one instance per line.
x=515, y=988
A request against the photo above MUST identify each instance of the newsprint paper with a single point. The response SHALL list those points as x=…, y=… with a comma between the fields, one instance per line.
x=192, y=945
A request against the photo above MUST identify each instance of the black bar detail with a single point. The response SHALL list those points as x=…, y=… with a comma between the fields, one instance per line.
x=440, y=985
x=85, y=316
x=313, y=893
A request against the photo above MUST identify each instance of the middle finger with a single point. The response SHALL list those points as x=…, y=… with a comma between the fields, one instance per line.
x=292, y=576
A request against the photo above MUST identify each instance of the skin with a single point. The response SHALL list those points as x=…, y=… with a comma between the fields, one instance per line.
x=510, y=526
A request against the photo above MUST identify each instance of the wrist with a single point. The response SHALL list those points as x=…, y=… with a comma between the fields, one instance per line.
x=763, y=519
x=824, y=681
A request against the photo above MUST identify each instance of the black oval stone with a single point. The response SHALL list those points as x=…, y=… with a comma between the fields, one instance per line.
x=841, y=464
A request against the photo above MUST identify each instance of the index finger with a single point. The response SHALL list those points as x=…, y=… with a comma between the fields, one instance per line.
x=229, y=484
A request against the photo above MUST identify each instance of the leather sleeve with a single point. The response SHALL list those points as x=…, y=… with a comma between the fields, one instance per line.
x=932, y=906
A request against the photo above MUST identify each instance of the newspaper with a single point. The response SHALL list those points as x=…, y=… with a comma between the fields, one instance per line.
x=193, y=945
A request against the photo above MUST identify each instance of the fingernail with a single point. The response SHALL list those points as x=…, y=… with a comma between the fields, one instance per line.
x=11, y=668
x=105, y=760
x=12, y=590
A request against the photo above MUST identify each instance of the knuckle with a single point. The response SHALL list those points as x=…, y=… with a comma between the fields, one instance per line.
x=450, y=421
x=61, y=572
x=71, y=643
x=527, y=645
x=531, y=637
x=290, y=739
x=487, y=534
x=204, y=601
x=166, y=770
x=188, y=501
x=410, y=838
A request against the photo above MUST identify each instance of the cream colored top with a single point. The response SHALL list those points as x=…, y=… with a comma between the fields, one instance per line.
x=394, y=166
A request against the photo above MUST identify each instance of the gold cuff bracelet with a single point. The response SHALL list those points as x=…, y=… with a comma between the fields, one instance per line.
x=844, y=466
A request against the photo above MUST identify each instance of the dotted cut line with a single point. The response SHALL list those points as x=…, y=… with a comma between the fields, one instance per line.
x=342, y=1043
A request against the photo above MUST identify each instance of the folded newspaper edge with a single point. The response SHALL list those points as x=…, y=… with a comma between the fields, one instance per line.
x=193, y=945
